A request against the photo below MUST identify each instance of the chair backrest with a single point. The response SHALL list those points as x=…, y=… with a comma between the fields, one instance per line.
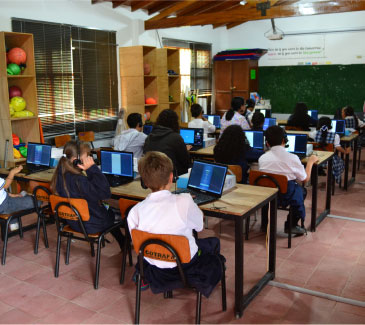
x=265, y=179
x=87, y=136
x=237, y=171
x=61, y=140
x=156, y=251
x=293, y=128
x=317, y=146
x=98, y=154
x=41, y=191
x=125, y=205
x=70, y=209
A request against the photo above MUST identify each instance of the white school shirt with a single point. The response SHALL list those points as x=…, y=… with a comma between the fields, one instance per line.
x=198, y=123
x=3, y=194
x=237, y=119
x=130, y=140
x=336, y=143
x=278, y=161
x=165, y=213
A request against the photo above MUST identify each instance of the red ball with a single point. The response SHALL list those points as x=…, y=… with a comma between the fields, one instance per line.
x=17, y=55
x=151, y=101
x=14, y=91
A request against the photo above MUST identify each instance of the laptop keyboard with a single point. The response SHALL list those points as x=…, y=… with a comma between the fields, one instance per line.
x=195, y=148
x=117, y=181
x=27, y=169
x=198, y=198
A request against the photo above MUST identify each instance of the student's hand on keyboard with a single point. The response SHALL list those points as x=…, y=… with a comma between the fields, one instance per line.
x=188, y=147
x=15, y=171
x=313, y=159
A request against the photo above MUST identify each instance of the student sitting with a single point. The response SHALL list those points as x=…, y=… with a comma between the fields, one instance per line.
x=233, y=149
x=324, y=137
x=352, y=121
x=69, y=181
x=132, y=140
x=300, y=118
x=163, y=212
x=165, y=137
x=258, y=120
x=199, y=121
x=250, y=106
x=235, y=115
x=278, y=161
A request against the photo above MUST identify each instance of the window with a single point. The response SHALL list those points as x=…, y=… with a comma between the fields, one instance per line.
x=76, y=74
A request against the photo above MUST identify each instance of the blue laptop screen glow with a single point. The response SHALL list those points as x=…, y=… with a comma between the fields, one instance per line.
x=214, y=119
x=117, y=163
x=297, y=143
x=313, y=114
x=147, y=129
x=338, y=126
x=39, y=154
x=269, y=121
x=256, y=139
x=193, y=136
x=207, y=177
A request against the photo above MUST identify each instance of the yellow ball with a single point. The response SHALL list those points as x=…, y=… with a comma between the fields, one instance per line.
x=18, y=103
x=24, y=113
x=11, y=109
x=16, y=153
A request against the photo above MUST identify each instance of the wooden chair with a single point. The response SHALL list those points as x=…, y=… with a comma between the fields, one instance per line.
x=41, y=192
x=271, y=180
x=77, y=210
x=87, y=136
x=168, y=248
x=61, y=140
x=125, y=205
x=237, y=171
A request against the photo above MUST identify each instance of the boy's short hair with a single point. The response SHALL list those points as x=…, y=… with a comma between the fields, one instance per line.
x=258, y=119
x=274, y=135
x=196, y=110
x=155, y=169
x=250, y=103
x=134, y=120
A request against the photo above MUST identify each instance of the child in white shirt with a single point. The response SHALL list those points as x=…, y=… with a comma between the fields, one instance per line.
x=199, y=121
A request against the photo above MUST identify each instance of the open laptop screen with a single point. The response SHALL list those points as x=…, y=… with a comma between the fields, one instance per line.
x=297, y=143
x=313, y=113
x=214, y=119
x=207, y=177
x=192, y=136
x=266, y=112
x=39, y=154
x=256, y=139
x=147, y=129
x=118, y=163
x=338, y=126
x=269, y=121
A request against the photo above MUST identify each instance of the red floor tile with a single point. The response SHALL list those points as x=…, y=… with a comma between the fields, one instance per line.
x=16, y=316
x=323, y=281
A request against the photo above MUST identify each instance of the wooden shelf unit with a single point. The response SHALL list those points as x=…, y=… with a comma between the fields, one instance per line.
x=26, y=128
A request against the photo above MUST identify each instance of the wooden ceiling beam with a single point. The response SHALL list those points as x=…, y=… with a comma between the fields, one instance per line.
x=160, y=5
x=222, y=6
x=173, y=9
x=242, y=14
x=117, y=3
x=197, y=8
x=137, y=4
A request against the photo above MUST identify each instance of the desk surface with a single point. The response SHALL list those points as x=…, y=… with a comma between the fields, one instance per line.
x=322, y=156
x=350, y=137
x=208, y=151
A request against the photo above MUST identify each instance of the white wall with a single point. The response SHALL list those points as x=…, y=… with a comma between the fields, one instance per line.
x=325, y=48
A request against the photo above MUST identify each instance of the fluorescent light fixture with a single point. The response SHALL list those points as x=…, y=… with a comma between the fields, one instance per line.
x=306, y=10
x=243, y=2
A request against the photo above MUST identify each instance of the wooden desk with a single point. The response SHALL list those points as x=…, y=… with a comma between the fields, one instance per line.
x=282, y=122
x=347, y=140
x=203, y=153
x=297, y=132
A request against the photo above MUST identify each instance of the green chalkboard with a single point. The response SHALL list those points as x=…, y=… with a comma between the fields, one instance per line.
x=322, y=87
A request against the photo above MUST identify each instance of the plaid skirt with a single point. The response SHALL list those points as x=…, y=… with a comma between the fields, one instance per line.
x=337, y=168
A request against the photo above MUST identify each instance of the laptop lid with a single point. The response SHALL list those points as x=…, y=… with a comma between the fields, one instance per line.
x=214, y=119
x=118, y=163
x=297, y=143
x=147, y=129
x=193, y=137
x=265, y=111
x=39, y=154
x=207, y=177
x=256, y=139
x=269, y=121
x=338, y=126
x=313, y=113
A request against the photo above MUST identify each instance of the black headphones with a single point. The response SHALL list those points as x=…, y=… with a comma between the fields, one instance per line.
x=77, y=161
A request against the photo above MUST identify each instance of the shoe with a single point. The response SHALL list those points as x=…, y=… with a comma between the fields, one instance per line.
x=295, y=230
x=14, y=226
x=144, y=285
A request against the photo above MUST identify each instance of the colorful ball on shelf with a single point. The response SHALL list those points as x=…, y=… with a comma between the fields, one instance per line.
x=18, y=103
x=11, y=110
x=7, y=59
x=23, y=151
x=24, y=113
x=13, y=69
x=17, y=55
x=147, y=116
x=15, y=91
x=16, y=153
x=146, y=69
x=16, y=139
x=151, y=101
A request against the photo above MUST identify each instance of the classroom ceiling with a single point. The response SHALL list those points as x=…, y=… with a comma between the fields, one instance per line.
x=229, y=13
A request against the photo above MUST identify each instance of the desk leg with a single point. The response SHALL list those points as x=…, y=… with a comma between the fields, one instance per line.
x=239, y=260
x=354, y=160
x=329, y=185
x=347, y=163
x=314, y=181
x=272, y=242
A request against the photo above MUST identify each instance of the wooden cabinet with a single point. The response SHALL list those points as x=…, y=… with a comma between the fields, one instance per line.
x=26, y=128
x=234, y=78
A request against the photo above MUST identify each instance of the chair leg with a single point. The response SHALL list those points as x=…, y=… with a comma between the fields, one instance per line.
x=58, y=251
x=290, y=224
x=37, y=235
x=138, y=299
x=97, y=270
x=124, y=258
x=168, y=295
x=20, y=227
x=68, y=248
x=92, y=249
x=198, y=307
x=224, y=292
x=45, y=237
x=3, y=259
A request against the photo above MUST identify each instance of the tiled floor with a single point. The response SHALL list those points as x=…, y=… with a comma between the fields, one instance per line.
x=331, y=260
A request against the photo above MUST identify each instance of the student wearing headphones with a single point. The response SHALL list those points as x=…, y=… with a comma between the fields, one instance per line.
x=69, y=181
x=250, y=107
x=278, y=161
x=133, y=139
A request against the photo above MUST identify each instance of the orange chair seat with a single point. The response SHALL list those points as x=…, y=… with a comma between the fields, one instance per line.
x=7, y=215
x=70, y=230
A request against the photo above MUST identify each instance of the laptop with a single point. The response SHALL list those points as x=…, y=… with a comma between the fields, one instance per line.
x=38, y=158
x=256, y=139
x=117, y=166
x=147, y=129
x=206, y=181
x=269, y=121
x=313, y=113
x=338, y=126
x=265, y=111
x=193, y=137
x=297, y=144
x=214, y=119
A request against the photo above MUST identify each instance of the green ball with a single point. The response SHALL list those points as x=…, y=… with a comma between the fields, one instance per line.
x=23, y=151
x=13, y=69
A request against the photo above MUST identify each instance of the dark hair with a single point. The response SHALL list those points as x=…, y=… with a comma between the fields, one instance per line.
x=71, y=150
x=231, y=146
x=134, y=120
x=324, y=125
x=300, y=117
x=274, y=135
x=250, y=103
x=236, y=104
x=258, y=120
x=196, y=110
x=168, y=118
x=349, y=111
